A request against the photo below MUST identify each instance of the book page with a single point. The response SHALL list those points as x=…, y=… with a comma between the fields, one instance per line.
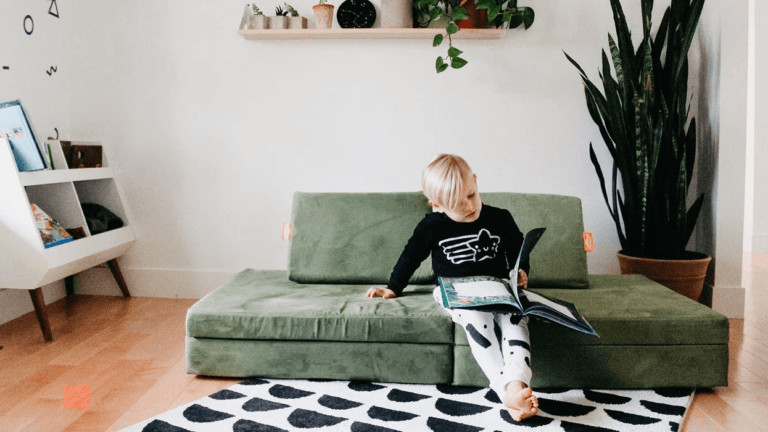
x=480, y=289
x=533, y=297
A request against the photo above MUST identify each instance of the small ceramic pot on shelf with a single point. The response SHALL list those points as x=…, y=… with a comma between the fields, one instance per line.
x=323, y=15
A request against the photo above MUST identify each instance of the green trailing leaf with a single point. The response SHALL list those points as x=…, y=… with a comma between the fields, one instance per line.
x=458, y=62
x=437, y=40
x=485, y=4
x=493, y=12
x=452, y=28
x=439, y=63
x=528, y=17
x=453, y=52
x=459, y=13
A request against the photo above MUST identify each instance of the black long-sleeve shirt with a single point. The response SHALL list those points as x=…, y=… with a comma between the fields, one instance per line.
x=486, y=247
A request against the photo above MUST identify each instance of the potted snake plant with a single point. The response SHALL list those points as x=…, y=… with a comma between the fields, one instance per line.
x=642, y=114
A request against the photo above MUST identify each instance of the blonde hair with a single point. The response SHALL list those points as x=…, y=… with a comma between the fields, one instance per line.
x=443, y=180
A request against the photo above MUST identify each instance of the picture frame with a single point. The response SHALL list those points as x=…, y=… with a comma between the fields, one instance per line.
x=17, y=129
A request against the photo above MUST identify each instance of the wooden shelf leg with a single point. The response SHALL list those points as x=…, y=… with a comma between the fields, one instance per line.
x=42, y=316
x=118, y=277
x=69, y=283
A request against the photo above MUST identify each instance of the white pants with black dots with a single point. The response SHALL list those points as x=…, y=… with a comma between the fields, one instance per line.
x=500, y=344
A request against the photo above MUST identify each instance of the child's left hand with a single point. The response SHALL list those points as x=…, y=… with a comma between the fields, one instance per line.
x=522, y=278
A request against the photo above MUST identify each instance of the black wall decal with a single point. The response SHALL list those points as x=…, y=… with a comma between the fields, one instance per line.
x=51, y=70
x=31, y=25
x=54, y=6
x=6, y=67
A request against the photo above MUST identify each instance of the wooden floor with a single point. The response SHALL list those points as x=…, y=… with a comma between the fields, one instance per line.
x=130, y=352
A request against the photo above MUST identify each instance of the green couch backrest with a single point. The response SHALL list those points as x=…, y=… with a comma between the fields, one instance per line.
x=356, y=238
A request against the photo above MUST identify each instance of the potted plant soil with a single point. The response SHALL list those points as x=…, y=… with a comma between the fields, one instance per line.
x=642, y=115
x=323, y=15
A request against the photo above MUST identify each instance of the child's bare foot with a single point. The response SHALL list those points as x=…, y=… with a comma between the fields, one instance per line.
x=520, y=401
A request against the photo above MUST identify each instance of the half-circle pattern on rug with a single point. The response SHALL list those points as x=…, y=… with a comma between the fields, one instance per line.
x=459, y=409
x=260, y=405
x=673, y=392
x=286, y=392
x=605, y=398
x=254, y=381
x=662, y=408
x=226, y=395
x=306, y=419
x=491, y=396
x=575, y=427
x=200, y=414
x=161, y=426
x=564, y=409
x=337, y=403
x=243, y=425
x=363, y=386
x=530, y=422
x=632, y=419
x=552, y=390
x=396, y=395
x=365, y=427
x=456, y=390
x=440, y=425
x=388, y=415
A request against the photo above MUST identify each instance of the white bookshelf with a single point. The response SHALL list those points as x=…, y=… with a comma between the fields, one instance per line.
x=24, y=261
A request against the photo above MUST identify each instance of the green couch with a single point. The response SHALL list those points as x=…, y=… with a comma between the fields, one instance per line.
x=313, y=320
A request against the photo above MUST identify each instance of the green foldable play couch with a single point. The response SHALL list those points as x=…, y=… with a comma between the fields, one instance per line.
x=313, y=321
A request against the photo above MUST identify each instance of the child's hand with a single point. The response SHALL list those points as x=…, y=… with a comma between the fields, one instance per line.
x=380, y=292
x=522, y=278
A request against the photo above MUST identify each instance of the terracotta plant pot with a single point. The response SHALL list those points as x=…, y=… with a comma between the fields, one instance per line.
x=478, y=18
x=323, y=15
x=684, y=276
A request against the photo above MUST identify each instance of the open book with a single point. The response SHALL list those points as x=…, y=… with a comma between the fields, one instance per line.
x=494, y=294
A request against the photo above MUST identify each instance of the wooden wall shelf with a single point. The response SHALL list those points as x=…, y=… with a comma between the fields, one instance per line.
x=368, y=33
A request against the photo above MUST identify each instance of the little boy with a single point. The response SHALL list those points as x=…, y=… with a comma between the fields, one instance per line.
x=468, y=238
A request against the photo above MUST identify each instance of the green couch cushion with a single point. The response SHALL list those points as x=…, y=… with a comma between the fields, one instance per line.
x=629, y=310
x=612, y=366
x=559, y=259
x=353, y=238
x=365, y=361
x=265, y=305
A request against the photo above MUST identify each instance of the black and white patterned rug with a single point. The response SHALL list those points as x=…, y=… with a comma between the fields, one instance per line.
x=272, y=405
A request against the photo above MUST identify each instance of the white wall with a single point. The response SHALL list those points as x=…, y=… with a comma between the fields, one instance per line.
x=210, y=134
x=45, y=98
x=760, y=199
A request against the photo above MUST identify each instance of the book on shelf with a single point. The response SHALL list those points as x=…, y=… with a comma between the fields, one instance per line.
x=51, y=232
x=16, y=128
x=498, y=295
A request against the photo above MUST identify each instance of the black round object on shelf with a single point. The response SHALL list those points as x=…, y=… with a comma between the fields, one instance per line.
x=356, y=14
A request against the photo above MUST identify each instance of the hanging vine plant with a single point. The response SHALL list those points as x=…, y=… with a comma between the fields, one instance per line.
x=501, y=14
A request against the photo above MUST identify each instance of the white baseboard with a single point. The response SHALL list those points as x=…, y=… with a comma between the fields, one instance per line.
x=17, y=302
x=729, y=301
x=760, y=243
